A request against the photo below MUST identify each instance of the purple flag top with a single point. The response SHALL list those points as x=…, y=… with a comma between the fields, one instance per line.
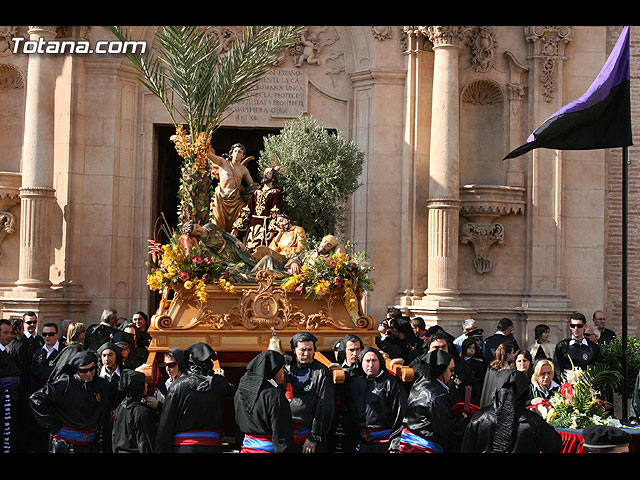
x=613, y=73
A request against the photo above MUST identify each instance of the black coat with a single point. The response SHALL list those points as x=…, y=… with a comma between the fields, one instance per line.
x=271, y=416
x=68, y=401
x=378, y=402
x=134, y=428
x=195, y=403
x=534, y=434
x=581, y=355
x=312, y=404
x=430, y=415
x=493, y=342
x=506, y=425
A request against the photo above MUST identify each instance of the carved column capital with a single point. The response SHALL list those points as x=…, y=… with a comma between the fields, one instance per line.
x=445, y=36
x=47, y=31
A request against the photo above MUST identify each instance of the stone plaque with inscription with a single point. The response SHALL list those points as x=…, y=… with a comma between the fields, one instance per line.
x=280, y=94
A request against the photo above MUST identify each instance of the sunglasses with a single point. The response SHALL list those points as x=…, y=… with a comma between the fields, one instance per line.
x=171, y=364
x=86, y=370
x=31, y=322
x=576, y=325
x=48, y=334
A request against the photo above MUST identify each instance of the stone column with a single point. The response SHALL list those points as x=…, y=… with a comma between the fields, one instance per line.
x=37, y=193
x=415, y=166
x=444, y=185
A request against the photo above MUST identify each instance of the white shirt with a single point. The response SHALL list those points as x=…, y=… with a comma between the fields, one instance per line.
x=107, y=375
x=55, y=348
x=583, y=341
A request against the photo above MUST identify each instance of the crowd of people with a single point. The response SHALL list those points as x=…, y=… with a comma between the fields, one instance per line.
x=72, y=389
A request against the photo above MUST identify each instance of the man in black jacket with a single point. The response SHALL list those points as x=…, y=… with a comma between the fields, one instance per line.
x=312, y=396
x=504, y=333
x=73, y=405
x=376, y=404
x=576, y=351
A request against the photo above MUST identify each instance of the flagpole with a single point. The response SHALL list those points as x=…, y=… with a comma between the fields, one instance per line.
x=625, y=370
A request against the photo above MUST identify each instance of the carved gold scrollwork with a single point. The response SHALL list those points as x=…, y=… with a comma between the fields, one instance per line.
x=265, y=307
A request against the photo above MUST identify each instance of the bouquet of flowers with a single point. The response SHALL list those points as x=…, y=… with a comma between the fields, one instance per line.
x=578, y=402
x=191, y=267
x=337, y=272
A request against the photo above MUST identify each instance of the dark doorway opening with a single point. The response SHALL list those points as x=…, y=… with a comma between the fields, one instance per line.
x=168, y=165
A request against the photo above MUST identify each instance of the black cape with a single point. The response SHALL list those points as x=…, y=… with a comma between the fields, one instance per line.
x=506, y=425
x=261, y=408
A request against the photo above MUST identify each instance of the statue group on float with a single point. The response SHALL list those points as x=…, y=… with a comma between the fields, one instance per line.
x=248, y=223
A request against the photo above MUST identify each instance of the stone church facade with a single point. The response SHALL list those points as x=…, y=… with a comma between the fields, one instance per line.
x=452, y=230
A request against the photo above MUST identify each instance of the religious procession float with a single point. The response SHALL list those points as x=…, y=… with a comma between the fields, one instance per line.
x=239, y=271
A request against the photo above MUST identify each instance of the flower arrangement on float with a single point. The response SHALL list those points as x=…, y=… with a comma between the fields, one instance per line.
x=578, y=402
x=337, y=272
x=193, y=268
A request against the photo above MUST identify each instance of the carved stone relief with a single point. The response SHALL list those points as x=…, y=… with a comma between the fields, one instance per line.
x=482, y=236
x=10, y=77
x=483, y=44
x=549, y=47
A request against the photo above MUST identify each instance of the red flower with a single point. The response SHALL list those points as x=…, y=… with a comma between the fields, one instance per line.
x=299, y=290
x=197, y=260
x=184, y=276
x=566, y=389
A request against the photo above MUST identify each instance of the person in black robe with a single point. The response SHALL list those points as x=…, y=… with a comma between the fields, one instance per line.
x=100, y=333
x=176, y=370
x=42, y=365
x=343, y=437
x=141, y=321
x=465, y=389
x=9, y=379
x=311, y=395
x=507, y=426
x=73, y=405
x=262, y=411
x=376, y=404
x=134, y=423
x=193, y=412
x=430, y=424
x=129, y=333
x=110, y=368
x=22, y=349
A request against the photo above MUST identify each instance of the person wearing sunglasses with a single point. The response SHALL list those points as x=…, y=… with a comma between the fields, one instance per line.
x=42, y=365
x=73, y=405
x=577, y=350
x=176, y=369
x=22, y=350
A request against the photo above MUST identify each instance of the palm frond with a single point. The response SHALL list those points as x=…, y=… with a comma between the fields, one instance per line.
x=248, y=60
x=600, y=374
x=150, y=72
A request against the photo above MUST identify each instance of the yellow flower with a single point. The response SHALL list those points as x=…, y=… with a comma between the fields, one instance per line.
x=322, y=288
x=226, y=285
x=188, y=284
x=154, y=280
